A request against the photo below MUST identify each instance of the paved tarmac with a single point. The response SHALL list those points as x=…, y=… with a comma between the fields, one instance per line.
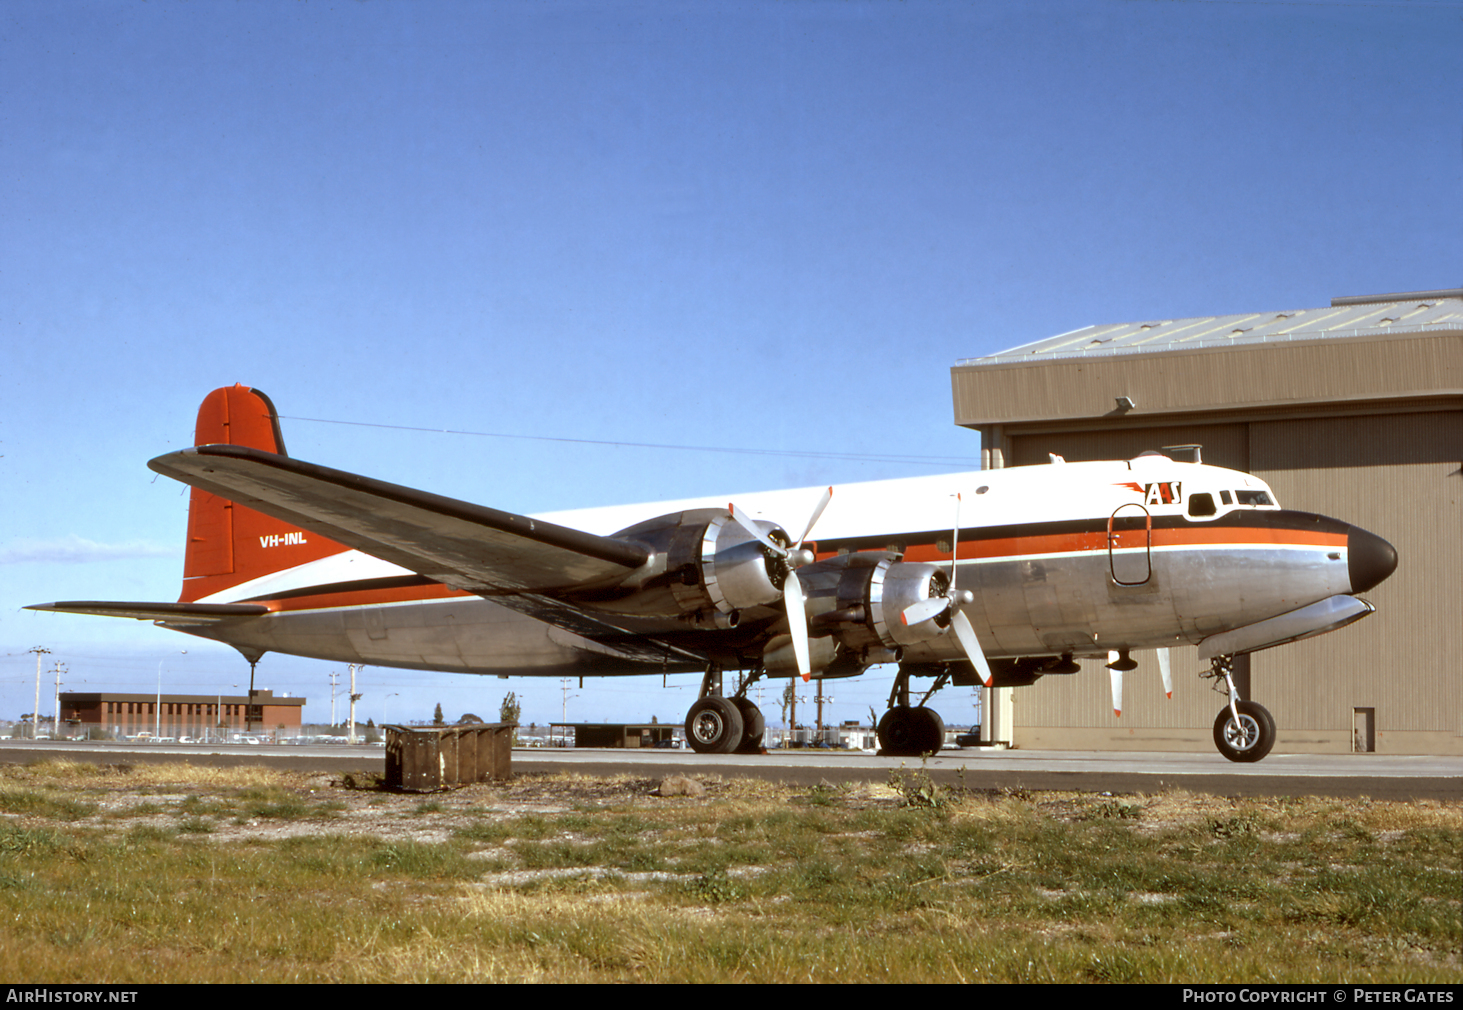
x=1379, y=776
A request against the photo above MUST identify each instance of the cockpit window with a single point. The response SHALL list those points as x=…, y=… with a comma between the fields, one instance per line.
x=1201, y=504
x=1254, y=498
x=1225, y=497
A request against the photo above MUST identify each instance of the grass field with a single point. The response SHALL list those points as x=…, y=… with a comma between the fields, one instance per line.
x=175, y=873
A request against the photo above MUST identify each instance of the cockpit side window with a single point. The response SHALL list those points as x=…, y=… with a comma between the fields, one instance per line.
x=1226, y=497
x=1202, y=504
x=1254, y=498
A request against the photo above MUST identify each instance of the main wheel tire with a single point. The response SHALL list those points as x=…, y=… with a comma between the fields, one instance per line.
x=1251, y=739
x=930, y=729
x=754, y=726
x=911, y=732
x=714, y=726
x=896, y=733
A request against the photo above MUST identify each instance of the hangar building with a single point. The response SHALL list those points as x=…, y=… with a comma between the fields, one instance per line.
x=1353, y=411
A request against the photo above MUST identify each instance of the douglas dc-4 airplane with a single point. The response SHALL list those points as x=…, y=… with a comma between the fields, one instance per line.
x=997, y=576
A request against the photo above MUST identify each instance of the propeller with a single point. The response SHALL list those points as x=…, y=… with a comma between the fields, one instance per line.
x=792, y=590
x=951, y=603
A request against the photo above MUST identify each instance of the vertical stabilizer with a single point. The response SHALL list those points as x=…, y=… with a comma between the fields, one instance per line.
x=229, y=544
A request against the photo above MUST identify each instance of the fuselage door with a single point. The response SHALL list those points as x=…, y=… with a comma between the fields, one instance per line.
x=1129, y=541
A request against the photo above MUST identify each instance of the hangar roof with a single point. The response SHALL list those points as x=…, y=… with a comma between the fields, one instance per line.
x=1366, y=351
x=1370, y=316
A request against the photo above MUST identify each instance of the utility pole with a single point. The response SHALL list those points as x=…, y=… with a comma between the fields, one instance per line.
x=35, y=715
x=56, y=714
x=351, y=737
x=820, y=710
x=564, y=684
x=334, y=683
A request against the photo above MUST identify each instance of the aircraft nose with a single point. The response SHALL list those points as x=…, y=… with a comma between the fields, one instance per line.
x=1370, y=559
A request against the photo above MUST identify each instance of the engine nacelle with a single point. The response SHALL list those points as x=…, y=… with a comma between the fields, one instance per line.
x=708, y=567
x=860, y=600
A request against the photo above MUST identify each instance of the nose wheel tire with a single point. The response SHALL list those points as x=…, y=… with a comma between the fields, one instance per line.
x=714, y=726
x=1248, y=740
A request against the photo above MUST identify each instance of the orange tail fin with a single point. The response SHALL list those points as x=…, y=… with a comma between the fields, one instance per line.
x=229, y=544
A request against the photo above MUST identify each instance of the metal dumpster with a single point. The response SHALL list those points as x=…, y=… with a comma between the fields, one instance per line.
x=425, y=758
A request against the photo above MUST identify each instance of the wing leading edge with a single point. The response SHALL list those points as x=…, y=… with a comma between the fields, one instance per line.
x=182, y=614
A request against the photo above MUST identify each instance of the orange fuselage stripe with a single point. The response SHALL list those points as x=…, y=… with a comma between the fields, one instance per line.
x=970, y=550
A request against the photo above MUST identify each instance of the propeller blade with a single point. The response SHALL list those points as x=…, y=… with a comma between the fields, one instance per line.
x=797, y=623
x=955, y=546
x=1117, y=685
x=965, y=634
x=817, y=513
x=758, y=535
x=917, y=613
x=1165, y=669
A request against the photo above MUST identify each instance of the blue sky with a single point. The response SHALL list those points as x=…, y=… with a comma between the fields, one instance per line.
x=752, y=225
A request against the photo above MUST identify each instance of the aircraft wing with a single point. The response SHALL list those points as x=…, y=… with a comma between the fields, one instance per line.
x=468, y=547
x=523, y=564
x=167, y=613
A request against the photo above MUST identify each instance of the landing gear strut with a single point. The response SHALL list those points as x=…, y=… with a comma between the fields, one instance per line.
x=720, y=725
x=1243, y=731
x=909, y=731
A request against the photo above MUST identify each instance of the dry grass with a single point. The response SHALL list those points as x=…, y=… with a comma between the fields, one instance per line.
x=177, y=873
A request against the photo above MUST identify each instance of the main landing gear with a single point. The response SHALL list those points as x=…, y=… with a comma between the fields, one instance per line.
x=720, y=725
x=911, y=730
x=1243, y=731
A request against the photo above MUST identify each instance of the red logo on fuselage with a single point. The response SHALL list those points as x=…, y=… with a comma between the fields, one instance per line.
x=1167, y=492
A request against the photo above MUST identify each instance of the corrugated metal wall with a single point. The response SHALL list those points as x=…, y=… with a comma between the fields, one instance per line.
x=1398, y=476
x=1256, y=377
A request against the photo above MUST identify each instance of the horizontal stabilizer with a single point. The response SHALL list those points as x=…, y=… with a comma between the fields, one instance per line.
x=169, y=613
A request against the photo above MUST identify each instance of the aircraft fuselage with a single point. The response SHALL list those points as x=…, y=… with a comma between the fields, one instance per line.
x=1076, y=559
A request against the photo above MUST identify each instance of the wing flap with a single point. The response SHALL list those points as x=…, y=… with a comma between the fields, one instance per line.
x=466, y=546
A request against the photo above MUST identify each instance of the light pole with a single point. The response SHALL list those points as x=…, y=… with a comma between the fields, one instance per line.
x=35, y=715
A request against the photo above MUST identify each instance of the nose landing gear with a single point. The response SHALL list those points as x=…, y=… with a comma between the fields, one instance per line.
x=1244, y=731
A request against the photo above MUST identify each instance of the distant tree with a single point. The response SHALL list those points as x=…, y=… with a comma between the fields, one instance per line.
x=437, y=719
x=510, y=710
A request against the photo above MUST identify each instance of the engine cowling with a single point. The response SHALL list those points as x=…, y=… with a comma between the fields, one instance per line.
x=858, y=602
x=706, y=567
